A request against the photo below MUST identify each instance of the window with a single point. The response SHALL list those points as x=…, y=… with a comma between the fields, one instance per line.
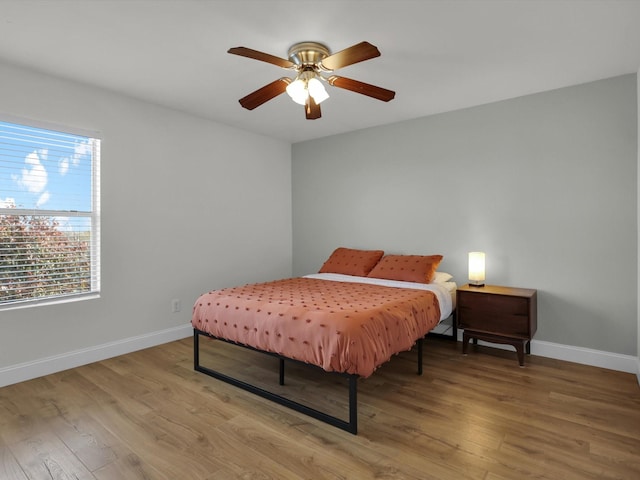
x=49, y=215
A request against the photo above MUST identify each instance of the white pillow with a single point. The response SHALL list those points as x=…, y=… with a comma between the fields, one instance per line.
x=441, y=277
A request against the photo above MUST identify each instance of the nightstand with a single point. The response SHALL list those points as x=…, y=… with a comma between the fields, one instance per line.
x=499, y=315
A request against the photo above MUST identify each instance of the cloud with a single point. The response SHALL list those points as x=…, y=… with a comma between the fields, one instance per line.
x=8, y=202
x=80, y=150
x=63, y=166
x=34, y=177
x=44, y=198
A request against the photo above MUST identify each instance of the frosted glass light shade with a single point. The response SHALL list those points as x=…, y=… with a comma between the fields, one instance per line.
x=476, y=269
x=317, y=90
x=297, y=90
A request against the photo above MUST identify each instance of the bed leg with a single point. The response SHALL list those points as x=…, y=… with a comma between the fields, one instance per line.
x=353, y=405
x=454, y=326
x=420, y=356
x=281, y=371
x=196, y=349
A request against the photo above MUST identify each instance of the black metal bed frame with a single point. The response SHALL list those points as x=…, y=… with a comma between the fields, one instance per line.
x=350, y=426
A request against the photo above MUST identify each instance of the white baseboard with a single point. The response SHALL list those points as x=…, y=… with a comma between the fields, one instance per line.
x=585, y=356
x=57, y=363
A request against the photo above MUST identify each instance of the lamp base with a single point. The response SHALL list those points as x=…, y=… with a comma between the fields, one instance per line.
x=477, y=285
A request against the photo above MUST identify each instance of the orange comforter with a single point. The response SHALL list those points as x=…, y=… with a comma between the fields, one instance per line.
x=341, y=327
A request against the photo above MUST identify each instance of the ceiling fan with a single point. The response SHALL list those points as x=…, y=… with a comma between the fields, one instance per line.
x=309, y=60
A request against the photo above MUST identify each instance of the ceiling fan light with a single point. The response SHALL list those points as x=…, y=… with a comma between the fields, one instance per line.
x=317, y=90
x=297, y=90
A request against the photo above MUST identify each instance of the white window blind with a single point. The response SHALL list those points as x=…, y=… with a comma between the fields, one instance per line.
x=49, y=215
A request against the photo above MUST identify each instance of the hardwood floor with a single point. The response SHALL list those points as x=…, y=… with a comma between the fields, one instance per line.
x=149, y=415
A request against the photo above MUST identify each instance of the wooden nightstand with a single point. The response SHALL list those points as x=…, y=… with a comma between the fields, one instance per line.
x=498, y=315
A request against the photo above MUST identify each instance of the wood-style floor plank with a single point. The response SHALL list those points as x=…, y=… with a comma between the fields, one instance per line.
x=149, y=415
x=9, y=466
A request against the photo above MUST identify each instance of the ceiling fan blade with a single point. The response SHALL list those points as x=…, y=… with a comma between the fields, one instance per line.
x=264, y=94
x=312, y=109
x=361, y=87
x=354, y=54
x=263, y=57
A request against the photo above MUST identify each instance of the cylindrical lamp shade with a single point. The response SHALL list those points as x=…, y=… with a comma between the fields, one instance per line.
x=476, y=269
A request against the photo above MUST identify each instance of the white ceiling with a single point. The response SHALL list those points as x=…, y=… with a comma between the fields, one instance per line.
x=437, y=55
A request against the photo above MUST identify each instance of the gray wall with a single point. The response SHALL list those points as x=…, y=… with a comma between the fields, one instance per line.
x=545, y=184
x=188, y=205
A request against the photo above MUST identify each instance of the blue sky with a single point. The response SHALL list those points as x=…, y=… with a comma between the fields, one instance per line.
x=44, y=169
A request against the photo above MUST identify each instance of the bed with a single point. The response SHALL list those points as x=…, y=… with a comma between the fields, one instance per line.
x=339, y=322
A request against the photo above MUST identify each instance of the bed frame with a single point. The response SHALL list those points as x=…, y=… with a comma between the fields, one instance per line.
x=350, y=426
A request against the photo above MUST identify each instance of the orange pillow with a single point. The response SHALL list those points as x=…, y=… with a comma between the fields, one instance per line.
x=407, y=268
x=349, y=261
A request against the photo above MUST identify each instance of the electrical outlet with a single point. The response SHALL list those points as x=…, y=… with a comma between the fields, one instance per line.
x=175, y=305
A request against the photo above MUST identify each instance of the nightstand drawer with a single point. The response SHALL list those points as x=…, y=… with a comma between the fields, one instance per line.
x=494, y=304
x=515, y=324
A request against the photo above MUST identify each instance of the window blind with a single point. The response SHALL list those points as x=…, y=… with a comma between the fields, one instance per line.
x=49, y=215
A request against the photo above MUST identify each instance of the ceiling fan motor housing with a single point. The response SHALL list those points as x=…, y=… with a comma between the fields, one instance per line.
x=308, y=53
